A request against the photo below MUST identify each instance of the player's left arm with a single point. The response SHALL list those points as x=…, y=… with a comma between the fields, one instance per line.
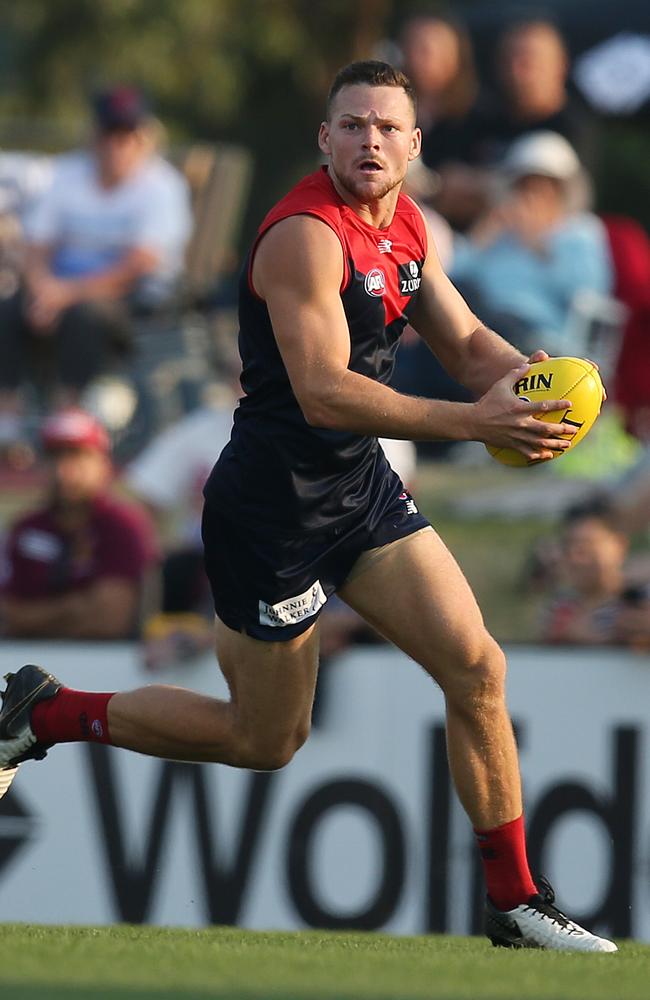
x=474, y=355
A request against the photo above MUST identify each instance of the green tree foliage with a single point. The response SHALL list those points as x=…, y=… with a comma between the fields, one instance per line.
x=250, y=71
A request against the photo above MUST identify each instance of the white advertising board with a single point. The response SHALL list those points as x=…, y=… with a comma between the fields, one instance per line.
x=360, y=830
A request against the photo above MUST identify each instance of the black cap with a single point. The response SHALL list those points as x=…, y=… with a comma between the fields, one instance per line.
x=120, y=107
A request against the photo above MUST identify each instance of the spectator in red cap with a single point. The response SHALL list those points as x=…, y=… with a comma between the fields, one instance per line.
x=75, y=568
x=105, y=240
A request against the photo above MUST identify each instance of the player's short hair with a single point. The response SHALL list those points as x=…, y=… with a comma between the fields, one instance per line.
x=373, y=73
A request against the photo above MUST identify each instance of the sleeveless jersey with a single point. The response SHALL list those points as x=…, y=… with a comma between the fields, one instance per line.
x=277, y=471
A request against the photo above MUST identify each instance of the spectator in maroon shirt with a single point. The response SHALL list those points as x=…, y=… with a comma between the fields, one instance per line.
x=75, y=568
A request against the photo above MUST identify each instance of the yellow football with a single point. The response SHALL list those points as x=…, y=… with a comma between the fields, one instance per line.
x=558, y=378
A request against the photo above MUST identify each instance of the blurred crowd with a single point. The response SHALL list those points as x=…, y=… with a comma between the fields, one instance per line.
x=93, y=245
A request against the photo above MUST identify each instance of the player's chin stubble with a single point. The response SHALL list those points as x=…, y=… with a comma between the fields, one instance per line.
x=360, y=189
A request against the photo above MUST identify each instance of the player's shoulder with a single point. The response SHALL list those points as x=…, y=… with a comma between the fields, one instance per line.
x=300, y=252
x=297, y=232
x=307, y=221
x=312, y=197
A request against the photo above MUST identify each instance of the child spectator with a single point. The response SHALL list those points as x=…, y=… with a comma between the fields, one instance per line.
x=594, y=602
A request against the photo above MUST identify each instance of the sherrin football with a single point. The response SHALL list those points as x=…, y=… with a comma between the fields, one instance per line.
x=558, y=378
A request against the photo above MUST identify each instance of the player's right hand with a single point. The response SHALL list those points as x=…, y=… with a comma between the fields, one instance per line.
x=505, y=420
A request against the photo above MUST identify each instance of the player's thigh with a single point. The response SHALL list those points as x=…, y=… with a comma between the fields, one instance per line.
x=415, y=594
x=271, y=683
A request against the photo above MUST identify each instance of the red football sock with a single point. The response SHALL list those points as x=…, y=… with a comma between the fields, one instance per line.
x=72, y=717
x=505, y=865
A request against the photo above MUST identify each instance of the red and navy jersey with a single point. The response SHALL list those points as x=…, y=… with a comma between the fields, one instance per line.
x=277, y=469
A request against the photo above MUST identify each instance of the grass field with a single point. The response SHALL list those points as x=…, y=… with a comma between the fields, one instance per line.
x=145, y=963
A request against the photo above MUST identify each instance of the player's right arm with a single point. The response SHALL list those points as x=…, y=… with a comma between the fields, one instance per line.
x=298, y=270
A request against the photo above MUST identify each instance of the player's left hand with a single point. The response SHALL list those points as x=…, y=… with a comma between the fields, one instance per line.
x=543, y=356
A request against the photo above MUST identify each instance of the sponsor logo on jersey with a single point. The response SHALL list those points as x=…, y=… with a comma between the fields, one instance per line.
x=375, y=283
x=385, y=246
x=409, y=502
x=294, y=609
x=409, y=277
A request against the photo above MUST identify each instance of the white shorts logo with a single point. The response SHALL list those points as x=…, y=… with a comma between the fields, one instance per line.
x=294, y=609
x=409, y=502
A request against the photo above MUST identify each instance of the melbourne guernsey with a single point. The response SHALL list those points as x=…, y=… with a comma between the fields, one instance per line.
x=277, y=470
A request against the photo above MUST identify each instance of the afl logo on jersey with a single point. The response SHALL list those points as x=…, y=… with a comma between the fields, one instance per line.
x=410, y=276
x=375, y=283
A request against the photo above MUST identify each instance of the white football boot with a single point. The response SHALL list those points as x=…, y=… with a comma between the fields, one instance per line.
x=25, y=688
x=539, y=924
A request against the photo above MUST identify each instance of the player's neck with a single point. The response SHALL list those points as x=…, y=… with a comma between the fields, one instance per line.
x=378, y=213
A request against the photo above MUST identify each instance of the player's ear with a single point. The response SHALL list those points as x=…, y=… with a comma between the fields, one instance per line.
x=324, y=137
x=416, y=144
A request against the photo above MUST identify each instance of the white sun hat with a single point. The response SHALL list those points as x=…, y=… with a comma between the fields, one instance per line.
x=547, y=154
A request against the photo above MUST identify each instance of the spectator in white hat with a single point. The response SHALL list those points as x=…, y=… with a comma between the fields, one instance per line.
x=531, y=254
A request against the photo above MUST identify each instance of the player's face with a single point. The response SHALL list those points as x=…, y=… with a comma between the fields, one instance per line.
x=370, y=139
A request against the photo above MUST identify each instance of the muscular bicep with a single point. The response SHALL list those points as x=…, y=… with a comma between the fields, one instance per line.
x=298, y=271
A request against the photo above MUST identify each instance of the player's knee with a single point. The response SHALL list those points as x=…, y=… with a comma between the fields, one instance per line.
x=265, y=755
x=478, y=680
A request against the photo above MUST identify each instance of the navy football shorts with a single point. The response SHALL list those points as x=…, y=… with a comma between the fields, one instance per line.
x=272, y=585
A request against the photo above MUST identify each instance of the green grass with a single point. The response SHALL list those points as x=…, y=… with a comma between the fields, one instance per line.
x=143, y=963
